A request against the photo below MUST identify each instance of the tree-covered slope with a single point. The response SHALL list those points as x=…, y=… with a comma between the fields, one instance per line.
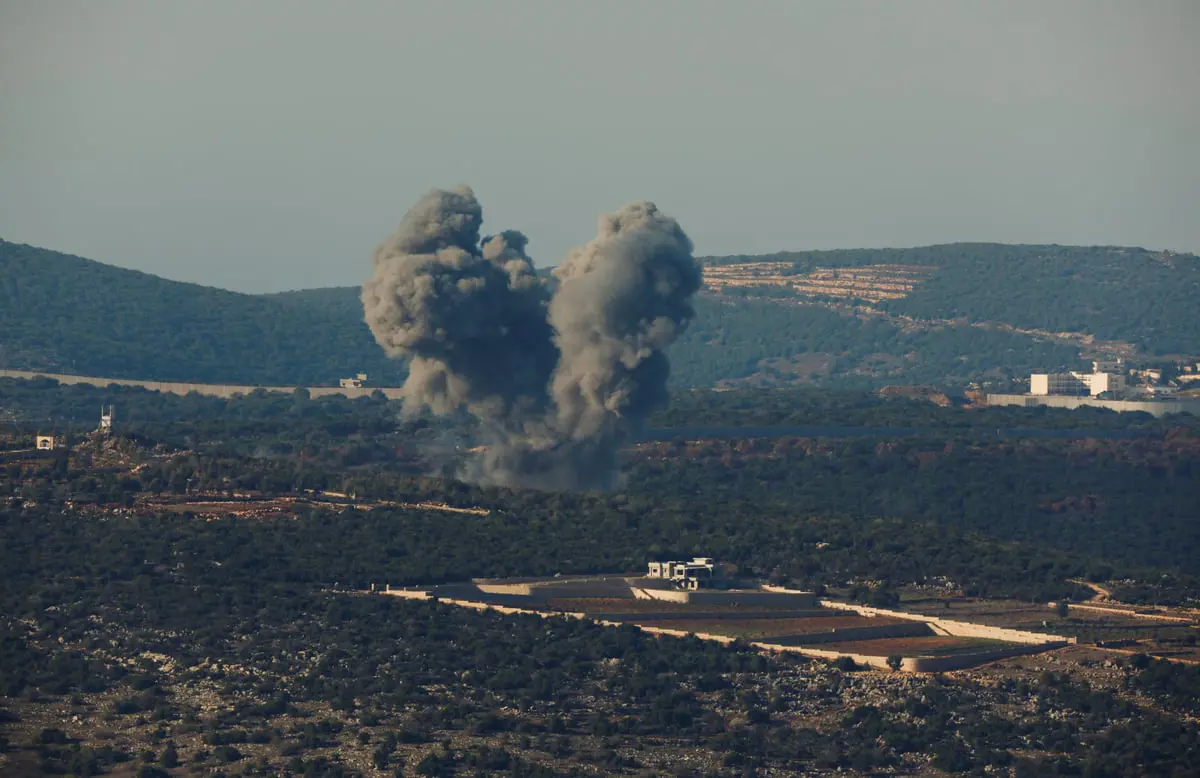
x=68, y=314
x=1146, y=298
x=972, y=312
x=761, y=342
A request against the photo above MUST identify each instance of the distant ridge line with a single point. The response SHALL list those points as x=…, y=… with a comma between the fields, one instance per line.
x=211, y=390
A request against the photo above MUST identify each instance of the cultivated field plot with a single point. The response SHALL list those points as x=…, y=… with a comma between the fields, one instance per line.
x=936, y=645
x=760, y=628
x=1084, y=623
x=1013, y=614
x=868, y=282
x=601, y=605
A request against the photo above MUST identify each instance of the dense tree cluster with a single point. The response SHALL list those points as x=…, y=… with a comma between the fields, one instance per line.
x=71, y=315
x=735, y=337
x=270, y=612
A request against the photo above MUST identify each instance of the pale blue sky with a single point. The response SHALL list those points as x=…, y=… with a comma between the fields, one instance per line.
x=270, y=145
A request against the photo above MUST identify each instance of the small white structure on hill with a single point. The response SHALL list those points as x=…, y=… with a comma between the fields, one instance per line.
x=106, y=419
x=686, y=575
x=357, y=382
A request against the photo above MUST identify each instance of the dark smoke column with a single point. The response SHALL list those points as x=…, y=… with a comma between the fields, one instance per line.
x=471, y=318
x=557, y=390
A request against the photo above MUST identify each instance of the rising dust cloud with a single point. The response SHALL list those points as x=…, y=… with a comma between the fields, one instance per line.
x=558, y=379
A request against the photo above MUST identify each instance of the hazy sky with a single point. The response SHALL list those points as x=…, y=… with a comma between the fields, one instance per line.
x=263, y=146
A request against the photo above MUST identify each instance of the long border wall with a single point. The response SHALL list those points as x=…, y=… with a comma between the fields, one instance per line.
x=212, y=390
x=1152, y=407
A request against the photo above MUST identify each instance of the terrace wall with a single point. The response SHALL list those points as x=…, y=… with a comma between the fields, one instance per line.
x=879, y=662
x=953, y=628
x=939, y=664
x=591, y=587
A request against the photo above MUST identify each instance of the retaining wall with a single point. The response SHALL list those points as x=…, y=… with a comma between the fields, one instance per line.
x=938, y=664
x=1129, y=613
x=410, y=594
x=879, y=662
x=590, y=587
x=957, y=628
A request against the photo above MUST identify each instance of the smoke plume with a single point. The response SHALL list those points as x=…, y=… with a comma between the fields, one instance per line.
x=557, y=382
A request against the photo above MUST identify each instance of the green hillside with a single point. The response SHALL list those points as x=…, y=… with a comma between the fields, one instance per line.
x=1147, y=298
x=760, y=342
x=968, y=312
x=61, y=313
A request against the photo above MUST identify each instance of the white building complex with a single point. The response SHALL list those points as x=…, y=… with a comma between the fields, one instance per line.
x=686, y=575
x=1105, y=378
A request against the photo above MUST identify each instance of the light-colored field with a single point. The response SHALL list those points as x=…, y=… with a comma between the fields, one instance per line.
x=872, y=283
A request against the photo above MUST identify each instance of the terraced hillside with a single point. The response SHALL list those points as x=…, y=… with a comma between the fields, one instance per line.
x=872, y=283
x=945, y=315
x=1110, y=293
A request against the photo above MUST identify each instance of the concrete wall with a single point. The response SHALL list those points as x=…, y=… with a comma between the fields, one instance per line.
x=940, y=664
x=212, y=390
x=1126, y=613
x=961, y=629
x=879, y=662
x=1153, y=407
x=617, y=588
x=409, y=594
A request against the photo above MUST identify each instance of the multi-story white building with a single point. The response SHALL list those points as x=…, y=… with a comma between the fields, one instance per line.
x=1105, y=377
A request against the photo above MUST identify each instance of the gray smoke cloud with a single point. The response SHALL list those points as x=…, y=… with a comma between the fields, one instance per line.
x=558, y=382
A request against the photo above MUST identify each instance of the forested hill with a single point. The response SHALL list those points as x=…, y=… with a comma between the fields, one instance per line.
x=944, y=315
x=66, y=314
x=1124, y=294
